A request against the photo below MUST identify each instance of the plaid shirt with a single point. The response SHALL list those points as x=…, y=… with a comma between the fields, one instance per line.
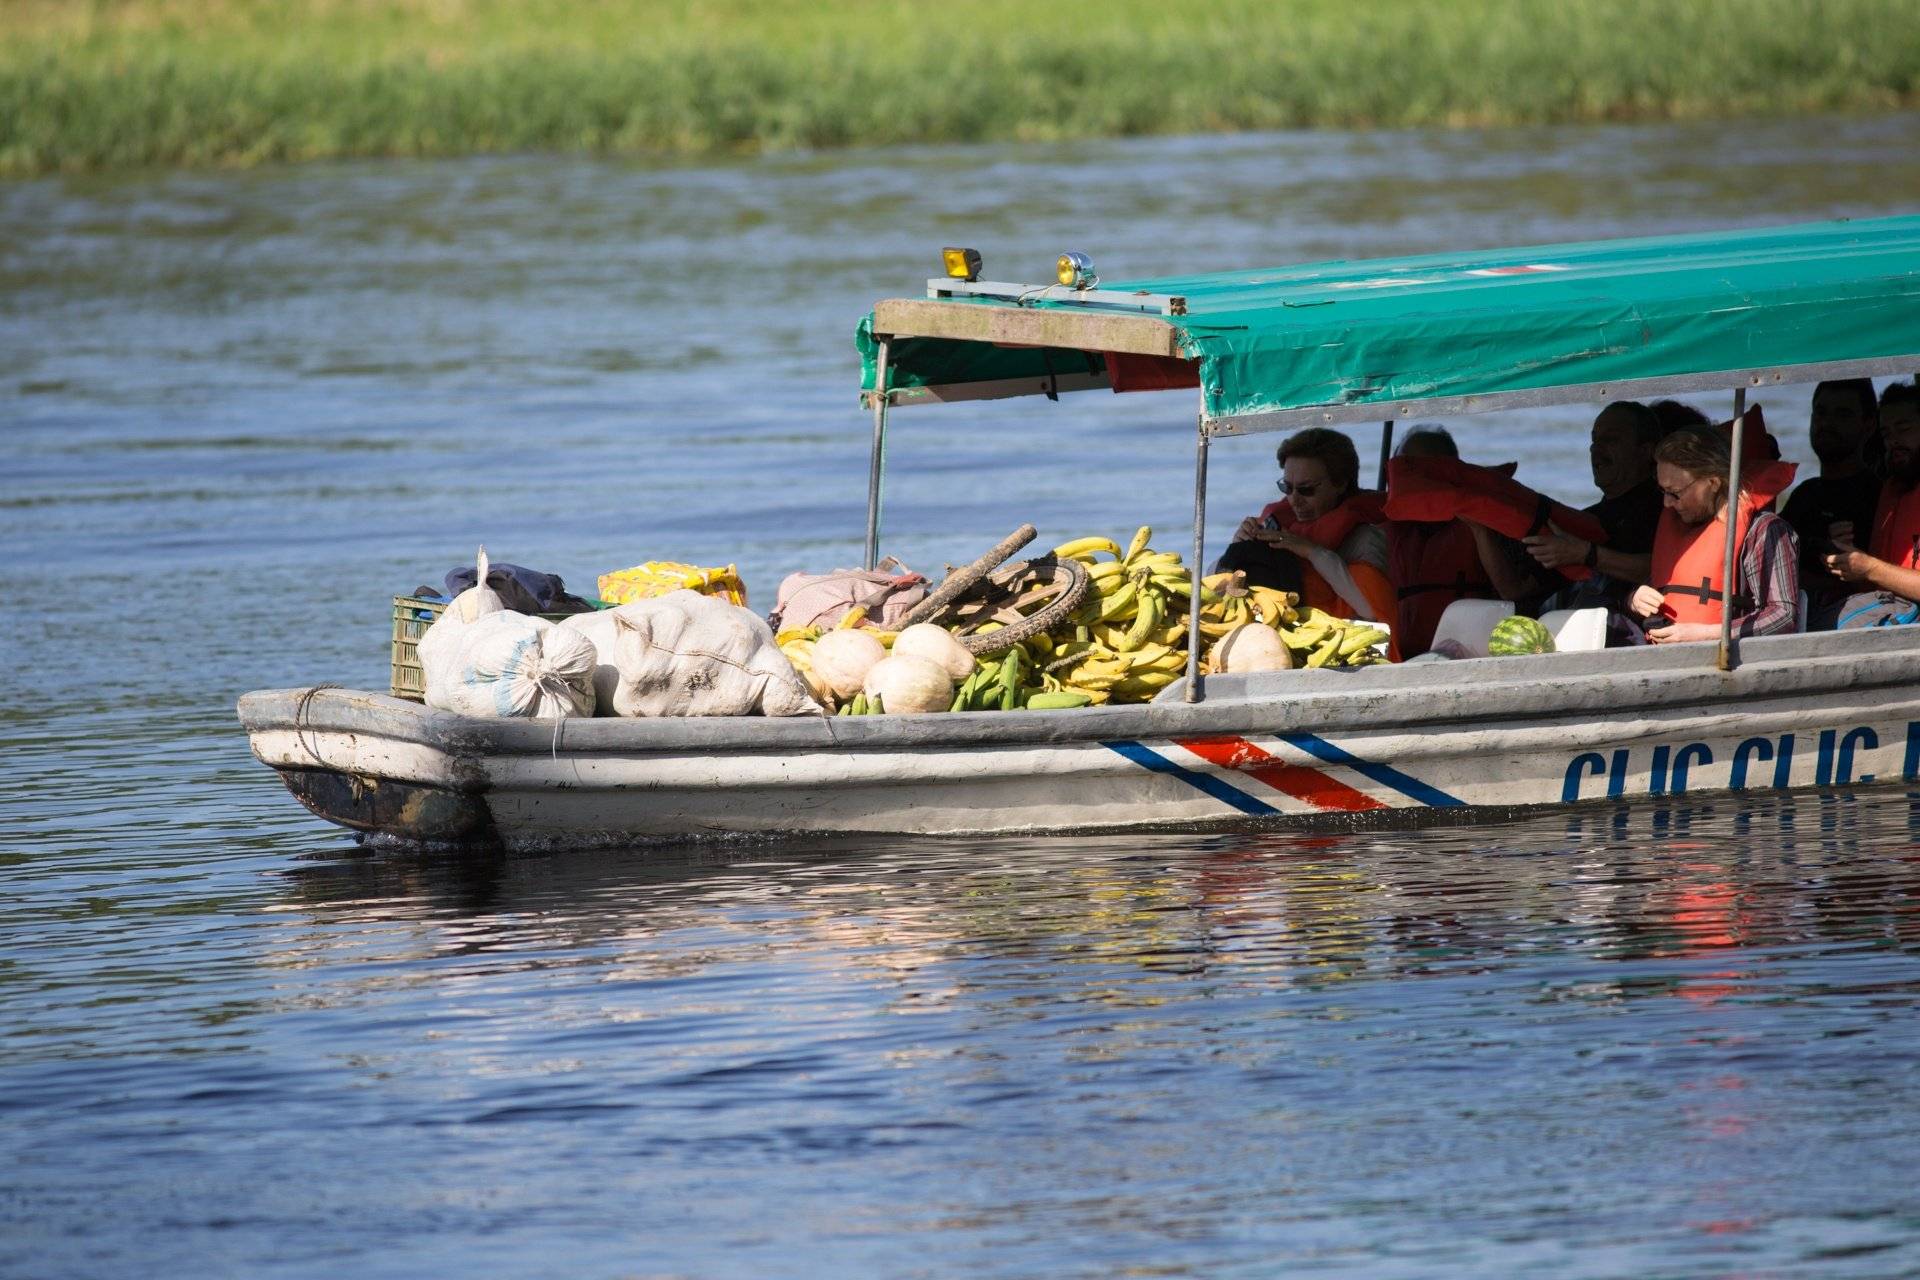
x=1768, y=573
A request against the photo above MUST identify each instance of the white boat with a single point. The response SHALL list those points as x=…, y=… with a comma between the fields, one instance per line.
x=1317, y=345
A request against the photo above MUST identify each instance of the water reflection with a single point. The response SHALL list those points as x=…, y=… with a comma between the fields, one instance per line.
x=1676, y=882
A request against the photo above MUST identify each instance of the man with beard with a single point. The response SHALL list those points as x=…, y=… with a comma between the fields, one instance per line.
x=1889, y=569
x=1845, y=415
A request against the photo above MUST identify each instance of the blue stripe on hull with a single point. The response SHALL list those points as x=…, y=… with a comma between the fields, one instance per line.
x=1213, y=786
x=1385, y=775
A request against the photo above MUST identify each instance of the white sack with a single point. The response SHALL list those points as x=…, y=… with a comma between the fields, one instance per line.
x=442, y=640
x=600, y=631
x=507, y=665
x=685, y=654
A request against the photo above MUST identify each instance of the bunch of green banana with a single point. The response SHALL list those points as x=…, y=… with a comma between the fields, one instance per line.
x=1014, y=682
x=1321, y=640
x=861, y=705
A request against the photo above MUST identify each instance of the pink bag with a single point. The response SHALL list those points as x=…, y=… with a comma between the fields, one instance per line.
x=822, y=599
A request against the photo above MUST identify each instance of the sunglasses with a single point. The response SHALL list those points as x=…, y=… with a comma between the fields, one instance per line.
x=1675, y=494
x=1303, y=490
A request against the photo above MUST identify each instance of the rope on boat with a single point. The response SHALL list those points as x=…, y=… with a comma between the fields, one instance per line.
x=300, y=725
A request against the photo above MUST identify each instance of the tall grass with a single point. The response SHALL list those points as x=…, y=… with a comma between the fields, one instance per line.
x=94, y=84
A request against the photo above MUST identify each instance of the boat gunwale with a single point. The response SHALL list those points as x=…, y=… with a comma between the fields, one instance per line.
x=1620, y=681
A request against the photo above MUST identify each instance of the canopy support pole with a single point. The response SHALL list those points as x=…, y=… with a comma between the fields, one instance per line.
x=1725, y=659
x=1194, y=691
x=1386, y=450
x=880, y=398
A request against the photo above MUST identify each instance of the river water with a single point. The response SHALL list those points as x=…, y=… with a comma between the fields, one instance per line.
x=238, y=412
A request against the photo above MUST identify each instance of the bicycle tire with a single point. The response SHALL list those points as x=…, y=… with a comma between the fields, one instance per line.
x=1053, y=614
x=960, y=581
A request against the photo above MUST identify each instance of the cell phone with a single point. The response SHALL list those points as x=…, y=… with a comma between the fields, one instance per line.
x=1270, y=524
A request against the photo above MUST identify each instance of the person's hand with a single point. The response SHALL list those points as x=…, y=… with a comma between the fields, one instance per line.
x=1681, y=632
x=1290, y=542
x=1249, y=530
x=1557, y=548
x=1840, y=533
x=1850, y=565
x=1645, y=602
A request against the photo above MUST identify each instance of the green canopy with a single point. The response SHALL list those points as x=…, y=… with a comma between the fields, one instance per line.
x=1453, y=333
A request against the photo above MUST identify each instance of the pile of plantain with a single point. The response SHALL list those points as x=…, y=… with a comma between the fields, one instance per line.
x=1130, y=639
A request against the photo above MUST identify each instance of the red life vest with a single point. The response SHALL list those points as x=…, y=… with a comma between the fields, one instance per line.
x=1689, y=560
x=1756, y=442
x=1363, y=506
x=1896, y=527
x=1431, y=565
x=1439, y=489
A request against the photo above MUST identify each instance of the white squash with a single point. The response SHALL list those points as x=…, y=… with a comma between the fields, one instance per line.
x=1252, y=647
x=907, y=685
x=842, y=659
x=936, y=644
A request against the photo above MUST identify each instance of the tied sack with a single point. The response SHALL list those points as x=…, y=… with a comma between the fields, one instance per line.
x=822, y=599
x=687, y=654
x=509, y=666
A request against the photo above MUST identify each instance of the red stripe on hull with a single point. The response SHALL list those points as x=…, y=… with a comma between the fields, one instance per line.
x=1298, y=781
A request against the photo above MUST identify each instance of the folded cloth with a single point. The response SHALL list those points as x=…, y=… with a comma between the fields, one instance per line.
x=520, y=589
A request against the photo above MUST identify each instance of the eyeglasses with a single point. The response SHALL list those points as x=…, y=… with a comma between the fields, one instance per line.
x=1675, y=494
x=1302, y=490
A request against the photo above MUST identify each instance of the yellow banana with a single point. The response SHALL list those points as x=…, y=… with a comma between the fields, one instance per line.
x=1359, y=639
x=1148, y=619
x=1118, y=602
x=1328, y=650
x=1147, y=654
x=1139, y=543
x=1083, y=549
x=1178, y=584
x=1106, y=571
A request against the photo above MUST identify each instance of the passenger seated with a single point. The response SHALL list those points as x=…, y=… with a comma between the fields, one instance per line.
x=1625, y=434
x=1845, y=414
x=1434, y=563
x=1325, y=538
x=1687, y=595
x=1889, y=570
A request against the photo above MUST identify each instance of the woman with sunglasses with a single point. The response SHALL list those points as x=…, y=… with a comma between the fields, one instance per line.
x=1325, y=538
x=1686, y=596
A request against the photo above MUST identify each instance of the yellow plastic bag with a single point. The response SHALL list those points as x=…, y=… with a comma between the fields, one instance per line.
x=658, y=577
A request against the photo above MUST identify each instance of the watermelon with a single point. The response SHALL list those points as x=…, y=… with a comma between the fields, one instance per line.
x=1518, y=635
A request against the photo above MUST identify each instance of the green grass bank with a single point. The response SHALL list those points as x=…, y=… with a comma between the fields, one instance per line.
x=105, y=84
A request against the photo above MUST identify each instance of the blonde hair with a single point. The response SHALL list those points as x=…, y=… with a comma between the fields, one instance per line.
x=1701, y=452
x=1698, y=451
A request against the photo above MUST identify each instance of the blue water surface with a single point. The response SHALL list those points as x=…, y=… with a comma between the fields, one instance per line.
x=239, y=412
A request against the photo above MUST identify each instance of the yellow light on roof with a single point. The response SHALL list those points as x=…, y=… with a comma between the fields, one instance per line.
x=961, y=264
x=1075, y=270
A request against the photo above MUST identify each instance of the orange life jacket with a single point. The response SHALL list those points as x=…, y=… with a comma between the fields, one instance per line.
x=1896, y=527
x=1433, y=489
x=1689, y=560
x=1363, y=506
x=1431, y=565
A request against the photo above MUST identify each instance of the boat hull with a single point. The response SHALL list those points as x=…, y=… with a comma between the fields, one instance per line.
x=1455, y=741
